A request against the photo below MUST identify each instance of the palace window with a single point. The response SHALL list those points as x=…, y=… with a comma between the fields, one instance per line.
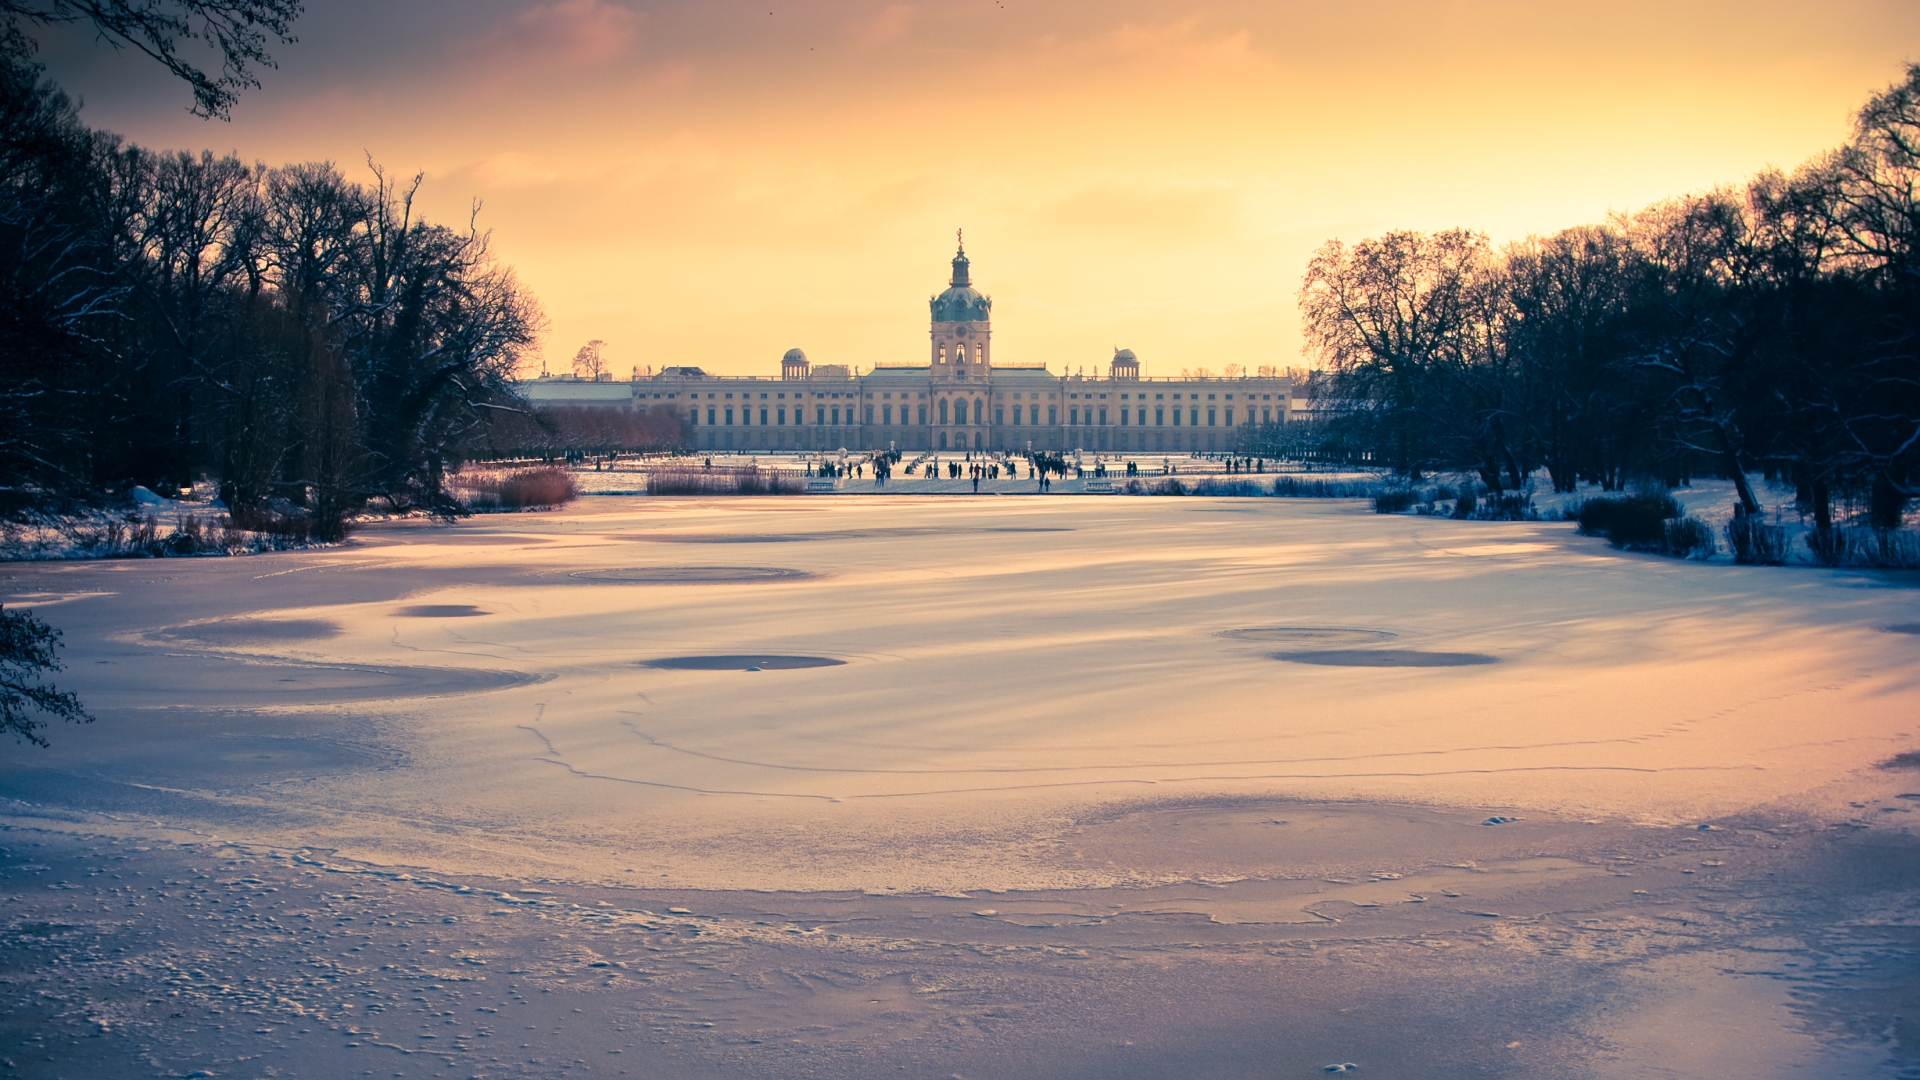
x=820, y=414
x=999, y=414
x=943, y=410
x=763, y=414
x=709, y=415
x=1073, y=416
x=836, y=415
x=923, y=414
x=1103, y=415
x=1266, y=415
x=1176, y=416
x=886, y=413
x=869, y=414
x=1211, y=416
x=783, y=415
x=1193, y=418
x=1053, y=414
x=1159, y=417
x=729, y=414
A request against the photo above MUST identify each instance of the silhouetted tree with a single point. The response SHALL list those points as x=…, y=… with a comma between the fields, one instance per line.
x=28, y=649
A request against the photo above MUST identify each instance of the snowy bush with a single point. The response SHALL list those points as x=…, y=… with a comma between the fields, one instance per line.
x=1634, y=522
x=1392, y=502
x=1865, y=548
x=746, y=481
x=1687, y=538
x=1756, y=543
x=1293, y=487
x=517, y=491
x=1215, y=486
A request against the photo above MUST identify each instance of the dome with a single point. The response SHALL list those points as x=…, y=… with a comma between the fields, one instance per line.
x=1125, y=356
x=961, y=302
x=794, y=356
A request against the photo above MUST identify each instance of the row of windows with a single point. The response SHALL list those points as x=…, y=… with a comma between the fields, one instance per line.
x=1027, y=414
x=888, y=396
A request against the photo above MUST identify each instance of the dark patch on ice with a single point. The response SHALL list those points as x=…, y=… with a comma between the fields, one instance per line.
x=440, y=611
x=722, y=538
x=468, y=539
x=740, y=663
x=232, y=682
x=1907, y=760
x=1386, y=658
x=246, y=631
x=846, y=534
x=1903, y=628
x=1311, y=635
x=691, y=575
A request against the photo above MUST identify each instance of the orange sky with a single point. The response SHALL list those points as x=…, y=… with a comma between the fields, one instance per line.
x=712, y=183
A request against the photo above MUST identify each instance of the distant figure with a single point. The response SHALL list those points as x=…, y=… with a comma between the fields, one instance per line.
x=976, y=484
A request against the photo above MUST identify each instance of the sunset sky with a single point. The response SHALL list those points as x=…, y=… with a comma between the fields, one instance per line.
x=714, y=182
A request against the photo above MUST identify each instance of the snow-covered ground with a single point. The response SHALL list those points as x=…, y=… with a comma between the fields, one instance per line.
x=1086, y=700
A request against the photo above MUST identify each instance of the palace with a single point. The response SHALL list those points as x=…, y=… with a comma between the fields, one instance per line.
x=958, y=399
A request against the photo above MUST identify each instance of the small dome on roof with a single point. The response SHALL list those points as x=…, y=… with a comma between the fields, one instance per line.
x=1125, y=355
x=794, y=356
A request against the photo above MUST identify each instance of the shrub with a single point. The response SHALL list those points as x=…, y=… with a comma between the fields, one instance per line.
x=745, y=481
x=1216, y=486
x=1755, y=543
x=1634, y=522
x=1871, y=549
x=1513, y=506
x=1464, y=503
x=1292, y=487
x=1169, y=486
x=1687, y=538
x=1392, y=502
x=517, y=491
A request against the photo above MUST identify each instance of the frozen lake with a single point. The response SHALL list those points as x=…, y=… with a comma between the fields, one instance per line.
x=887, y=752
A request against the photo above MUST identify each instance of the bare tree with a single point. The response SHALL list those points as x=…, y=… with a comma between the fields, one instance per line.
x=588, y=363
x=236, y=31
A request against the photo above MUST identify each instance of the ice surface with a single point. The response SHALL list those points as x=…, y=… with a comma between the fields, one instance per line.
x=1057, y=793
x=994, y=677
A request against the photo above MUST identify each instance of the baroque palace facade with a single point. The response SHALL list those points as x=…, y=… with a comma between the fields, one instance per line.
x=958, y=400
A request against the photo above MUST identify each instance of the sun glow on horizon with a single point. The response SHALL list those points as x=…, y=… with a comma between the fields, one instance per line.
x=711, y=184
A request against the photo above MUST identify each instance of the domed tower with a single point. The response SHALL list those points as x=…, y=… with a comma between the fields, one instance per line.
x=962, y=345
x=794, y=365
x=1125, y=365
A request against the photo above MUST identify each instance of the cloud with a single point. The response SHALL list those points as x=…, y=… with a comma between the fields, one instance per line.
x=877, y=29
x=567, y=33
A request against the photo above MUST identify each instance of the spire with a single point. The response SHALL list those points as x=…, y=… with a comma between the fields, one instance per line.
x=960, y=262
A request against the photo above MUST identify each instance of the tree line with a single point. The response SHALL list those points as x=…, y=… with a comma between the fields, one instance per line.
x=306, y=341
x=1770, y=326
